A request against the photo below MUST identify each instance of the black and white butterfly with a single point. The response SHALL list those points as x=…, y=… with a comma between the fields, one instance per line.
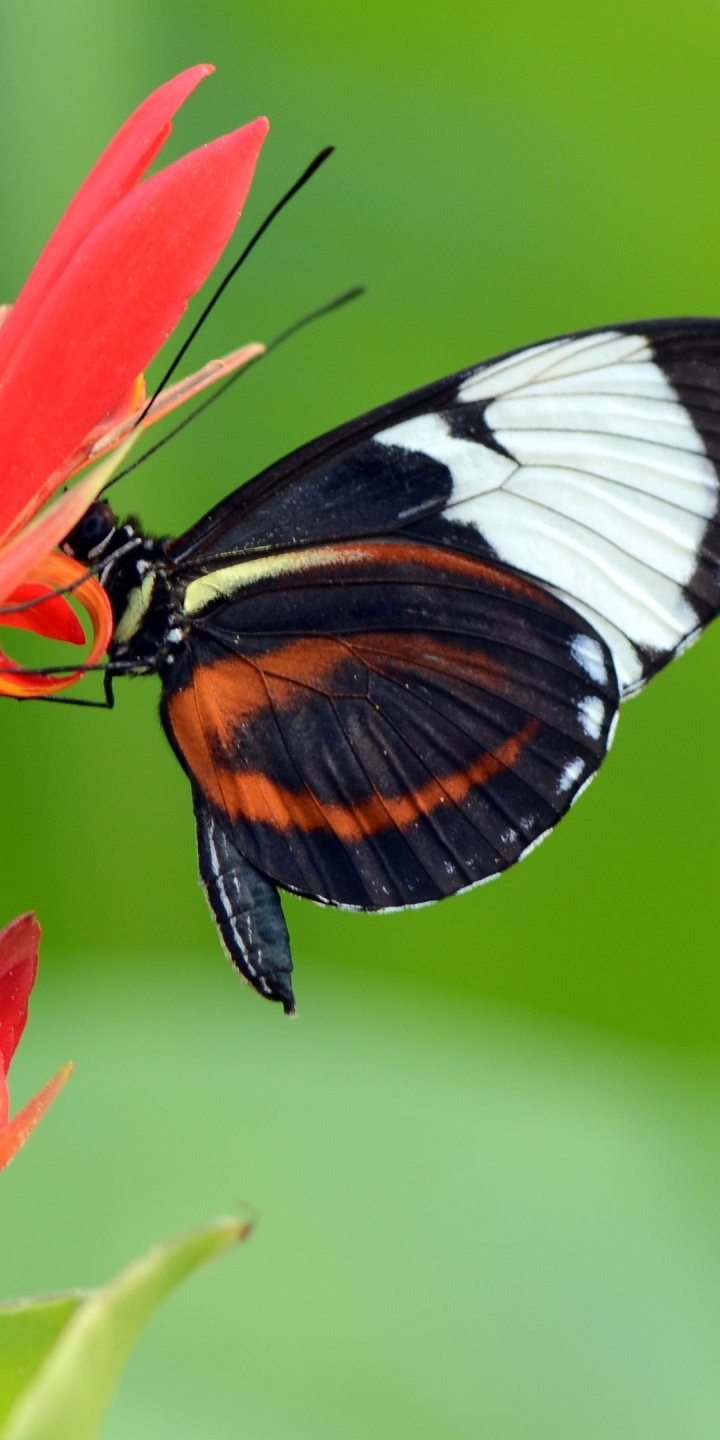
x=391, y=662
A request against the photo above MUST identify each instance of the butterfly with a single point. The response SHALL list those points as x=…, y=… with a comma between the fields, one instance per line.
x=392, y=661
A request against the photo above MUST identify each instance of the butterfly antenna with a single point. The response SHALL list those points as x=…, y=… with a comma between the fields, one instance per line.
x=219, y=390
x=317, y=314
x=222, y=287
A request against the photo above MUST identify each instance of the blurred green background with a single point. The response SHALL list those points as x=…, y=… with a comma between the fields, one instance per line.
x=486, y=1155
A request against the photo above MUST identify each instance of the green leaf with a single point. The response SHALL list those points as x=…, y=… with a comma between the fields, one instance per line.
x=28, y=1329
x=71, y=1387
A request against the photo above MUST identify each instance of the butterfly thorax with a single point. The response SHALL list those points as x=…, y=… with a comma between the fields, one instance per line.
x=150, y=625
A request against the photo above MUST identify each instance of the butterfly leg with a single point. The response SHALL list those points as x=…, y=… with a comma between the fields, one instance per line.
x=247, y=911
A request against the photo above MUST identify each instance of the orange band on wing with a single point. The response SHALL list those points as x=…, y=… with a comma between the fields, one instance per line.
x=232, y=691
x=255, y=797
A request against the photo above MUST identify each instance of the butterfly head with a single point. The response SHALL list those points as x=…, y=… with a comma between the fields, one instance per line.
x=91, y=535
x=127, y=563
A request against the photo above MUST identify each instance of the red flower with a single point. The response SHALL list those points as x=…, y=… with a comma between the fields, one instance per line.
x=108, y=289
x=18, y=967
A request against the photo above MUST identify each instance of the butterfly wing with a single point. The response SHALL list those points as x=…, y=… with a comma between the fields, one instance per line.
x=380, y=724
x=588, y=462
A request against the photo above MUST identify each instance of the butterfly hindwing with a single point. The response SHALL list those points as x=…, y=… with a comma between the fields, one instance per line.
x=380, y=724
x=588, y=462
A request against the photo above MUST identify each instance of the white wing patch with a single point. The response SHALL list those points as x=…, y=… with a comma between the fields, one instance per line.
x=559, y=357
x=475, y=469
x=603, y=494
x=570, y=775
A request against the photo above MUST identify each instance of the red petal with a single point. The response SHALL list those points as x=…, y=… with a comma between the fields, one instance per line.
x=55, y=619
x=21, y=557
x=132, y=401
x=13, y=1135
x=119, y=168
x=18, y=967
x=111, y=310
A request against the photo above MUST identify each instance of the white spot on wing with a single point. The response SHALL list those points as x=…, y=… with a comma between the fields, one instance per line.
x=591, y=714
x=570, y=775
x=627, y=662
x=588, y=653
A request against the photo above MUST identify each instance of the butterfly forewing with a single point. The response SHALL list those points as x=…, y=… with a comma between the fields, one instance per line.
x=588, y=462
x=381, y=724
